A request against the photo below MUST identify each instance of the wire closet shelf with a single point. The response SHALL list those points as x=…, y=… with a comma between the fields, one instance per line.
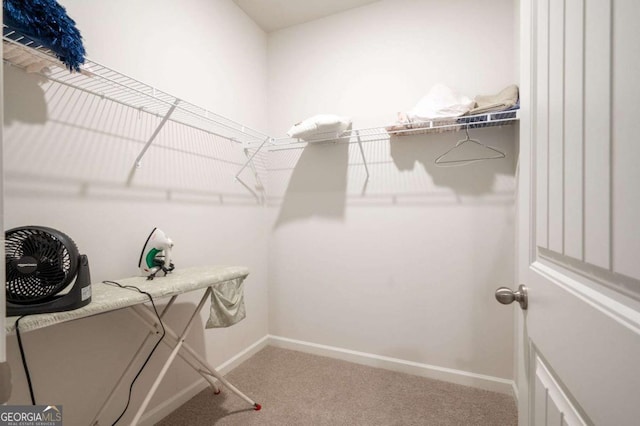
x=30, y=56
x=109, y=84
x=25, y=53
x=372, y=134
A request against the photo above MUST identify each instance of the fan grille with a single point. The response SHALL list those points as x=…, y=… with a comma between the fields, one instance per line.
x=40, y=262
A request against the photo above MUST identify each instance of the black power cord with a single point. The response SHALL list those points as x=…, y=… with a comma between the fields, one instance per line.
x=150, y=353
x=26, y=367
x=24, y=360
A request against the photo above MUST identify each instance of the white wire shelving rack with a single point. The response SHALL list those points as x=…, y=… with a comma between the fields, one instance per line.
x=99, y=80
x=102, y=81
x=372, y=134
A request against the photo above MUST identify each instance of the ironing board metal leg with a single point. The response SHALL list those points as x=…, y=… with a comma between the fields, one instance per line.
x=149, y=322
x=233, y=389
x=132, y=363
x=169, y=360
x=172, y=339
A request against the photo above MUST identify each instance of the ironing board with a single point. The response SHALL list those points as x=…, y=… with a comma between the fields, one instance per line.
x=107, y=298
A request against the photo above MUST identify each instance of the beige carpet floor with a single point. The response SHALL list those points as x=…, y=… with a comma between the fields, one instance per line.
x=295, y=388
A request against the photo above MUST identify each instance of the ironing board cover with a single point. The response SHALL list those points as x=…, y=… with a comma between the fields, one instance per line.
x=105, y=298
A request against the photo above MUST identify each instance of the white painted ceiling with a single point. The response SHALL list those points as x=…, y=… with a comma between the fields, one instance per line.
x=273, y=15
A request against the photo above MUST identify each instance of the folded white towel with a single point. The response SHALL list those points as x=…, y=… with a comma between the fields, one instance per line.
x=320, y=127
x=505, y=99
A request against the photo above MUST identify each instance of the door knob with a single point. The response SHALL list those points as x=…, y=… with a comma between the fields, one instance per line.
x=506, y=296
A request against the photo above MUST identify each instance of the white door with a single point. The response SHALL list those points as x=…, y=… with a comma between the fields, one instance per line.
x=579, y=213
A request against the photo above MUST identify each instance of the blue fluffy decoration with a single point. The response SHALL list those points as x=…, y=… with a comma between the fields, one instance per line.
x=47, y=23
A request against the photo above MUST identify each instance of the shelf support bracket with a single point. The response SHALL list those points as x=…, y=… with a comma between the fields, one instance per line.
x=259, y=198
x=250, y=159
x=256, y=176
x=155, y=133
x=249, y=163
x=364, y=160
x=138, y=163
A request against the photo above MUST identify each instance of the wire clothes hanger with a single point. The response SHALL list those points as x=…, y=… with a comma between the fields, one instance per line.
x=443, y=162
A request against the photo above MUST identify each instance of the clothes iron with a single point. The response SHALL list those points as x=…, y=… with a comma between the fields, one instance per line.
x=156, y=255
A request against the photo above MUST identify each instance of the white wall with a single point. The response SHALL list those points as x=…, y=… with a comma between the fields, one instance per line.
x=406, y=270
x=67, y=157
x=405, y=267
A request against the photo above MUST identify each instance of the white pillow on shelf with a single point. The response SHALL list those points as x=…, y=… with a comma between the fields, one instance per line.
x=320, y=127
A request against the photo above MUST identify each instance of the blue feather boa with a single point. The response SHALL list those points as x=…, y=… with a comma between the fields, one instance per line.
x=47, y=23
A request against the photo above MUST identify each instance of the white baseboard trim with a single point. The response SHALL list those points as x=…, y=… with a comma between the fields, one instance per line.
x=242, y=356
x=481, y=381
x=166, y=407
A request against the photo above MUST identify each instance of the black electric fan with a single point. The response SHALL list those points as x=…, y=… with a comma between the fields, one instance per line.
x=40, y=264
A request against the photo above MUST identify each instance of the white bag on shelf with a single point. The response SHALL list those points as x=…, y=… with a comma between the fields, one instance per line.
x=441, y=102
